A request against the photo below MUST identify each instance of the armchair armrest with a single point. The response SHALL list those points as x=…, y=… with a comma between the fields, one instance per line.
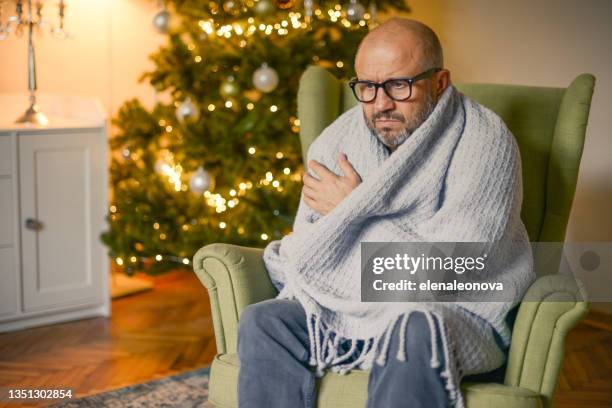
x=552, y=306
x=235, y=277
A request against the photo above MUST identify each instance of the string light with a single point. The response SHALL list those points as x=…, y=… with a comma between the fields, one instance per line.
x=252, y=150
x=211, y=107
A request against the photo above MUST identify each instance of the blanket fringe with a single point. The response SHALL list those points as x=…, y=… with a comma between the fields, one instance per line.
x=325, y=344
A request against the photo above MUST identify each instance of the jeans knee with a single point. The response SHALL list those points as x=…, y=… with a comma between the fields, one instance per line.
x=254, y=321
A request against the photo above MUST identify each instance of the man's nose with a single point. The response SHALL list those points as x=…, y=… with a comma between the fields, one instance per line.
x=382, y=101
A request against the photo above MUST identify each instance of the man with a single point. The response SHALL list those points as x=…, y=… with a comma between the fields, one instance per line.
x=411, y=177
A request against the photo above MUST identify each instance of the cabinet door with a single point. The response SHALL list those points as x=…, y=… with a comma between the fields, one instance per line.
x=62, y=178
x=9, y=283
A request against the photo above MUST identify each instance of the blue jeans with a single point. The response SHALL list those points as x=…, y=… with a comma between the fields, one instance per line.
x=274, y=350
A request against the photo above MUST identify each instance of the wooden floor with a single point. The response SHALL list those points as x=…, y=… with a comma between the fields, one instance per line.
x=169, y=330
x=152, y=334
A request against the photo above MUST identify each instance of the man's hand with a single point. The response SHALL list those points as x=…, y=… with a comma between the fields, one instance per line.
x=324, y=195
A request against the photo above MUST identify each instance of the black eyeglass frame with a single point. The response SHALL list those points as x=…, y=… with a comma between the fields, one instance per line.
x=411, y=80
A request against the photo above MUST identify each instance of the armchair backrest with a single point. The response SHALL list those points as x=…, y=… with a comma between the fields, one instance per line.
x=548, y=123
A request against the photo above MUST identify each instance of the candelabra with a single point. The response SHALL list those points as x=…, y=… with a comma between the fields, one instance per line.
x=16, y=24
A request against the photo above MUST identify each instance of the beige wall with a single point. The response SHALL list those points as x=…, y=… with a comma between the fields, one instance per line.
x=109, y=51
x=545, y=42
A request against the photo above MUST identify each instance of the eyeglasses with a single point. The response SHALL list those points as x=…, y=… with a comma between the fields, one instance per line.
x=398, y=89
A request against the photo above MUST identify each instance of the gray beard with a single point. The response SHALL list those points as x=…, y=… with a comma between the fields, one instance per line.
x=411, y=125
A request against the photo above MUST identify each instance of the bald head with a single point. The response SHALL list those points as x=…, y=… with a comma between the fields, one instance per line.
x=411, y=39
x=398, y=49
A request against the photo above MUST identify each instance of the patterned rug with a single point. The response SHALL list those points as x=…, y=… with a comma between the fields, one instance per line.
x=185, y=390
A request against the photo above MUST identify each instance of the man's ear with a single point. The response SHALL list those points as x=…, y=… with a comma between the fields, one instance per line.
x=441, y=82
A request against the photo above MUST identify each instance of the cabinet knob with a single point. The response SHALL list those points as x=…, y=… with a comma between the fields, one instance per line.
x=33, y=224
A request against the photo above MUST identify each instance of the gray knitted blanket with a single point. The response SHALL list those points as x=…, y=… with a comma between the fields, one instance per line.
x=457, y=178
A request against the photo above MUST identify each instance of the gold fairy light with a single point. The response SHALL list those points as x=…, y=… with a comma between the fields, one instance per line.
x=158, y=257
x=250, y=106
x=279, y=155
x=119, y=261
x=156, y=226
x=211, y=107
x=286, y=170
x=252, y=150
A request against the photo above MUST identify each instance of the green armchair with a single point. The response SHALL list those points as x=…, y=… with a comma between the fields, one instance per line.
x=550, y=125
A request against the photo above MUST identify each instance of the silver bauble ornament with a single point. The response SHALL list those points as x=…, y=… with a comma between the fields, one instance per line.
x=355, y=11
x=186, y=110
x=264, y=7
x=229, y=87
x=161, y=21
x=308, y=4
x=265, y=78
x=160, y=166
x=200, y=181
x=231, y=7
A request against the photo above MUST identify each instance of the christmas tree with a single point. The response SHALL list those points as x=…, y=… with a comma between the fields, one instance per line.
x=220, y=159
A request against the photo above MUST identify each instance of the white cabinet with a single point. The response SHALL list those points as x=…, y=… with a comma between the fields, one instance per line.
x=53, y=200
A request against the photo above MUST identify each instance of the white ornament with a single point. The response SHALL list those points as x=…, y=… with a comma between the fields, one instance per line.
x=161, y=21
x=160, y=166
x=265, y=78
x=200, y=181
x=308, y=7
x=355, y=11
x=186, y=110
